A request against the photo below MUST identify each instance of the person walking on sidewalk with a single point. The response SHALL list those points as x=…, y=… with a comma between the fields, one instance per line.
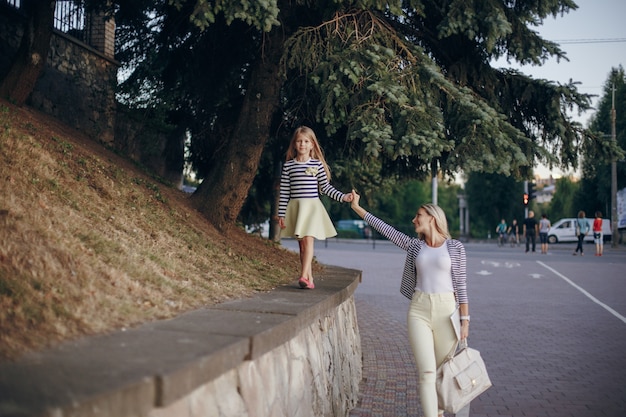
x=530, y=230
x=598, y=238
x=434, y=279
x=301, y=213
x=581, y=226
x=544, y=228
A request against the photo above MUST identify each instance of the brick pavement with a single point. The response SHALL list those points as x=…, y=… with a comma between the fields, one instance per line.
x=389, y=385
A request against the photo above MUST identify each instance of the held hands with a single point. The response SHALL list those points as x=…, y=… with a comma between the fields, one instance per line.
x=355, y=198
x=348, y=197
x=355, y=205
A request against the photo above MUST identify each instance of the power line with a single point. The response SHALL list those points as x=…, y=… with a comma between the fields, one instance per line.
x=587, y=41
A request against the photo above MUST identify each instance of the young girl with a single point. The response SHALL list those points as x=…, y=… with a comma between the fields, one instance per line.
x=301, y=213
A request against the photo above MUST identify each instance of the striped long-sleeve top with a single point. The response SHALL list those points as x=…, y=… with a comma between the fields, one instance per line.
x=304, y=180
x=413, y=246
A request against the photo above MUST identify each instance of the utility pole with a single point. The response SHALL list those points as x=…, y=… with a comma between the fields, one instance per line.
x=435, y=172
x=614, y=231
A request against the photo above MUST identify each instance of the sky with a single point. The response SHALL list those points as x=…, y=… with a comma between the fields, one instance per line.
x=594, y=40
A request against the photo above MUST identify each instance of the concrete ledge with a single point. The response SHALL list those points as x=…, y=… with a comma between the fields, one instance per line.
x=130, y=373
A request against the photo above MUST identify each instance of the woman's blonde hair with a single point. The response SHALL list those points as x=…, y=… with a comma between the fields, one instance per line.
x=581, y=214
x=441, y=224
x=316, y=152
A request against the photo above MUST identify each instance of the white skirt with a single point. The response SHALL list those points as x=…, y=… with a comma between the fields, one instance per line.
x=307, y=217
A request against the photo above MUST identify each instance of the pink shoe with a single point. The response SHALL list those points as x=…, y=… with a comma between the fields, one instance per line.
x=305, y=283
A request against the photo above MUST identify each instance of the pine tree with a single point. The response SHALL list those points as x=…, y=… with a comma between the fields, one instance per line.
x=393, y=88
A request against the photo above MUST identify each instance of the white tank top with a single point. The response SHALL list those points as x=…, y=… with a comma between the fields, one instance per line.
x=434, y=270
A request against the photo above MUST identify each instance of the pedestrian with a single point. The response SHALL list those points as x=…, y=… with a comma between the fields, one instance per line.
x=513, y=233
x=530, y=230
x=581, y=226
x=434, y=279
x=301, y=213
x=544, y=228
x=501, y=231
x=598, y=238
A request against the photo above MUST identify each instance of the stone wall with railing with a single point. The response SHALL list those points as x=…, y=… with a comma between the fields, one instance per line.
x=78, y=83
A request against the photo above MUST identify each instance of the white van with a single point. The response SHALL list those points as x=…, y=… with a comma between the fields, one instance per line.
x=564, y=231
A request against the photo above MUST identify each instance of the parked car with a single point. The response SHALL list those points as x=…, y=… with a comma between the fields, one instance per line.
x=261, y=229
x=564, y=231
x=353, y=229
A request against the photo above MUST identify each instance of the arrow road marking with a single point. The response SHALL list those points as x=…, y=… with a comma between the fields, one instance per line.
x=582, y=290
x=496, y=264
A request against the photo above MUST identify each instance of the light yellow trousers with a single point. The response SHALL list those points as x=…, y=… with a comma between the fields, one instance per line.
x=432, y=337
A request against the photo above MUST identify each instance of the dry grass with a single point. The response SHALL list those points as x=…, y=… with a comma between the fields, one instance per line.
x=89, y=243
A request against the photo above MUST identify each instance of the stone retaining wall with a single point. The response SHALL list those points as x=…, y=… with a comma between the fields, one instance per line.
x=290, y=352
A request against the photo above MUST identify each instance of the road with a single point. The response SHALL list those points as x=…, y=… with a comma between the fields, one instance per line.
x=551, y=329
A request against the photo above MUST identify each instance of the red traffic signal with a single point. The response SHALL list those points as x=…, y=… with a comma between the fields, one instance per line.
x=525, y=199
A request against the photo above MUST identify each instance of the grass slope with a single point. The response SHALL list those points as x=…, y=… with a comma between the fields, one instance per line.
x=89, y=243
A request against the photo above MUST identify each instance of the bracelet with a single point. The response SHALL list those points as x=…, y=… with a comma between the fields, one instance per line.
x=465, y=318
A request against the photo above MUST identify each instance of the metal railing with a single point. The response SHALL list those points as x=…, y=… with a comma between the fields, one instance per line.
x=69, y=18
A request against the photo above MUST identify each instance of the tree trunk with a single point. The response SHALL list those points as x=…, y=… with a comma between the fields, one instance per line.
x=32, y=53
x=222, y=194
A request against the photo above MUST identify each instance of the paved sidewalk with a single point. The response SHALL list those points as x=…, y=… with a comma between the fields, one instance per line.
x=389, y=385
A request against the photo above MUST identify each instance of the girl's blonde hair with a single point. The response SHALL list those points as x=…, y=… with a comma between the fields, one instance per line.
x=441, y=224
x=316, y=152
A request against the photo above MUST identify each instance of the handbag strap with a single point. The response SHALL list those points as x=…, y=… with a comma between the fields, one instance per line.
x=462, y=344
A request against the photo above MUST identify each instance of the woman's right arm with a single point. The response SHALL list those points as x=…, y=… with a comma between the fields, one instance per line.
x=398, y=238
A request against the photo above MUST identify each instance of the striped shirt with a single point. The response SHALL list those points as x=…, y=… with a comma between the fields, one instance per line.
x=304, y=180
x=413, y=246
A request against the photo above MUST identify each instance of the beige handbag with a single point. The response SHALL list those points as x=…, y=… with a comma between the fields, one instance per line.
x=461, y=378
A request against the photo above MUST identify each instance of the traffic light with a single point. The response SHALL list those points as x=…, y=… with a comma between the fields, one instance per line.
x=525, y=199
x=532, y=192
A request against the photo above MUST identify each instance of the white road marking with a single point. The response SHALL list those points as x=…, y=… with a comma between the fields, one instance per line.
x=496, y=264
x=536, y=276
x=582, y=290
x=483, y=272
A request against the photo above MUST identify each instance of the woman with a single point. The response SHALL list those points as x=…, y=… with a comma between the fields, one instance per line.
x=434, y=279
x=597, y=233
x=582, y=228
